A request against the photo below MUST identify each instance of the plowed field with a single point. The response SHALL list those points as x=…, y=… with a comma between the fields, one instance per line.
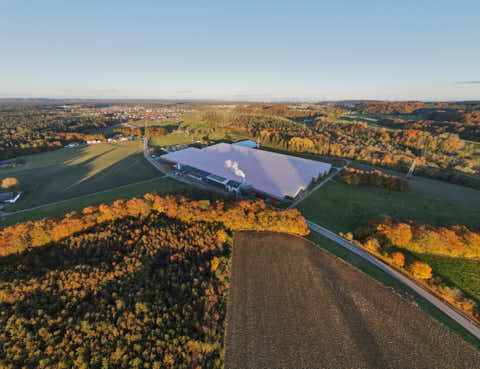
x=293, y=305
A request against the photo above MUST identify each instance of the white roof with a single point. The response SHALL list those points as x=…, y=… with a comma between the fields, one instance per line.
x=247, y=143
x=276, y=175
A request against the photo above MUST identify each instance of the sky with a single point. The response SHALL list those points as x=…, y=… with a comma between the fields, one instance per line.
x=240, y=50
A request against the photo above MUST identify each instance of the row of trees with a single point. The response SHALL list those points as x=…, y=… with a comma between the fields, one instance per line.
x=453, y=240
x=397, y=243
x=235, y=216
x=374, y=178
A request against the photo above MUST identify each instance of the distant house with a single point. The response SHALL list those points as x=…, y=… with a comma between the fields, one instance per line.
x=9, y=197
x=247, y=143
x=7, y=164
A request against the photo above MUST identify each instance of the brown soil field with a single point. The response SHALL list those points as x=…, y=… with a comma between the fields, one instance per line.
x=294, y=305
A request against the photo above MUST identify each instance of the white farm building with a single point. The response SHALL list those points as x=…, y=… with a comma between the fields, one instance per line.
x=271, y=174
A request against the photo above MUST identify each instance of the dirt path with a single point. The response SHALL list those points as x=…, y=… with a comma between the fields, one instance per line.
x=294, y=305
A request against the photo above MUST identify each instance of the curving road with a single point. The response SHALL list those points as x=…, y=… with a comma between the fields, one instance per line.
x=443, y=306
x=449, y=310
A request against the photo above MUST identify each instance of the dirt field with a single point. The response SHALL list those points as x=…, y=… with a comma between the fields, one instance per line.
x=293, y=305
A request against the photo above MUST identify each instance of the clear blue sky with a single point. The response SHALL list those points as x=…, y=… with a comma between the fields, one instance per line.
x=240, y=49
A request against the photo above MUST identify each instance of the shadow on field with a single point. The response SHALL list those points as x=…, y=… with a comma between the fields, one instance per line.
x=293, y=305
x=69, y=178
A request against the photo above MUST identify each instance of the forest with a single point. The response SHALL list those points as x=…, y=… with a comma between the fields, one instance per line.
x=28, y=129
x=374, y=178
x=139, y=284
x=242, y=215
x=442, y=156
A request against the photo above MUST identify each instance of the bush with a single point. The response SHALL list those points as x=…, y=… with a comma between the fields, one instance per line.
x=10, y=183
x=420, y=270
x=398, y=258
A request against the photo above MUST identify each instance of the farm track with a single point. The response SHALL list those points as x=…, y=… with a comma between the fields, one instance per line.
x=293, y=305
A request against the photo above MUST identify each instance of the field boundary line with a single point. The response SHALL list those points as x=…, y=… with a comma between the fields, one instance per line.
x=449, y=310
x=338, y=170
x=6, y=214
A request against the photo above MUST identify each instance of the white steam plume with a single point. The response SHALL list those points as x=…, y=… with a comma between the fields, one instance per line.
x=233, y=165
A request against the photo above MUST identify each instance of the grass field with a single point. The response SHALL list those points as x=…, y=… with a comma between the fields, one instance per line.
x=288, y=296
x=435, y=189
x=341, y=207
x=462, y=273
x=68, y=173
x=175, y=138
x=160, y=186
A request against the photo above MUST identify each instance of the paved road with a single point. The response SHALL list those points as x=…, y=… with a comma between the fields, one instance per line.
x=338, y=170
x=149, y=158
x=179, y=177
x=446, y=308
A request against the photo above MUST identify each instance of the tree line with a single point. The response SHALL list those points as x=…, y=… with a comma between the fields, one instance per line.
x=443, y=156
x=234, y=215
x=397, y=243
x=374, y=178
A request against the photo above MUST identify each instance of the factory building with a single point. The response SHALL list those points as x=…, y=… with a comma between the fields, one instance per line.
x=233, y=166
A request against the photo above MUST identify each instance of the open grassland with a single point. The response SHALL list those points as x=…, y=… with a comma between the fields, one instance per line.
x=175, y=138
x=435, y=189
x=292, y=304
x=160, y=186
x=462, y=273
x=72, y=172
x=342, y=208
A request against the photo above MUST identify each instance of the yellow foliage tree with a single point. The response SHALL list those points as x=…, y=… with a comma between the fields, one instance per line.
x=10, y=183
x=420, y=270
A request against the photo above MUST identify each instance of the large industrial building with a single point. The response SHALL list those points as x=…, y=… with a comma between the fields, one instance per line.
x=271, y=174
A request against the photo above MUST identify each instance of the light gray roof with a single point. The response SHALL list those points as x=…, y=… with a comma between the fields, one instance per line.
x=276, y=175
x=246, y=143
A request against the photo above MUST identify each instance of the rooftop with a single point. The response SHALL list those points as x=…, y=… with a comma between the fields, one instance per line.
x=273, y=174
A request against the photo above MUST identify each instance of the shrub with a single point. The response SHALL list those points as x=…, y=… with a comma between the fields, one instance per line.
x=10, y=183
x=398, y=258
x=420, y=270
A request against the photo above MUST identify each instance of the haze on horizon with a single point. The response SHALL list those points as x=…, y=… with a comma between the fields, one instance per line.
x=247, y=50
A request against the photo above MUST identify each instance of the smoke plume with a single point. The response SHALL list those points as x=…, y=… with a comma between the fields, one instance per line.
x=233, y=165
